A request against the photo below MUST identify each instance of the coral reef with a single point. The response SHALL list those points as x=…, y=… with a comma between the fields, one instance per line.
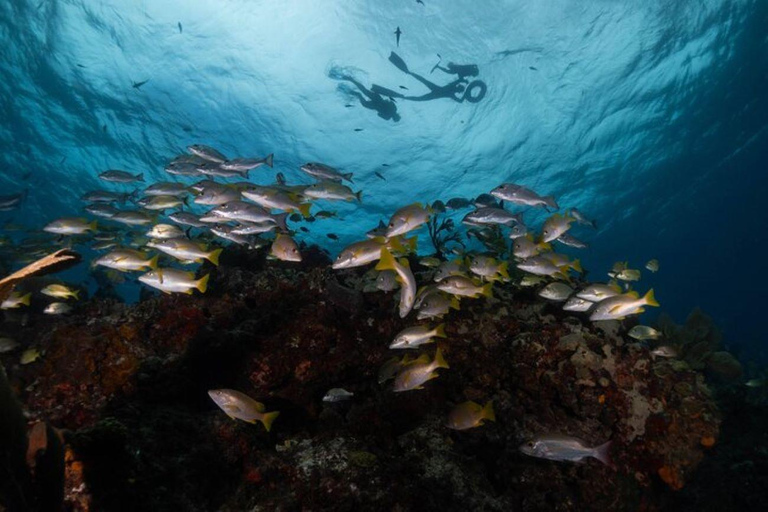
x=127, y=384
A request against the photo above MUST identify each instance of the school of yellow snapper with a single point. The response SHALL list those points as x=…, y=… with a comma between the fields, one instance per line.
x=158, y=225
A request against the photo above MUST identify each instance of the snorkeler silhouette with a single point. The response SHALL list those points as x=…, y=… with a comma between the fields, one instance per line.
x=373, y=100
x=459, y=90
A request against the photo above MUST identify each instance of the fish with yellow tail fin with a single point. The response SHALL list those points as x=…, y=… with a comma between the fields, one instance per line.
x=61, y=291
x=416, y=373
x=436, y=305
x=464, y=287
x=524, y=247
x=621, y=306
x=362, y=253
x=240, y=406
x=555, y=226
x=653, y=265
x=413, y=337
x=126, y=260
x=70, y=226
x=470, y=415
x=404, y=277
x=407, y=219
x=16, y=300
x=284, y=248
x=184, y=249
x=488, y=268
x=171, y=280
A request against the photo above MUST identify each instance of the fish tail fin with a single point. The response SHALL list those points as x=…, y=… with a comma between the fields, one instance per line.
x=455, y=303
x=76, y=294
x=304, y=209
x=504, y=269
x=359, y=196
x=93, y=226
x=593, y=223
x=650, y=298
x=440, y=331
x=550, y=200
x=603, y=453
x=140, y=176
x=487, y=290
x=280, y=220
x=213, y=256
x=269, y=159
x=397, y=245
x=348, y=177
x=576, y=265
x=268, y=418
x=387, y=261
x=202, y=283
x=152, y=263
x=26, y=299
x=412, y=243
x=488, y=413
x=440, y=360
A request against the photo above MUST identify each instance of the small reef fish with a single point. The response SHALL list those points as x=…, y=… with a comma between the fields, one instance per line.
x=524, y=196
x=436, y=305
x=565, y=448
x=524, y=247
x=30, y=356
x=557, y=292
x=332, y=191
x=541, y=266
x=653, y=266
x=215, y=194
x=643, y=332
x=458, y=203
x=103, y=210
x=246, y=164
x=581, y=218
x=485, y=201
x=131, y=218
x=159, y=203
x=415, y=373
x=488, y=268
x=518, y=230
x=413, y=337
x=386, y=281
x=449, y=268
x=16, y=300
x=463, y=286
x=578, y=304
x=8, y=345
x=171, y=280
x=165, y=232
x=166, y=188
x=555, y=227
x=391, y=367
x=70, y=226
x=470, y=415
x=57, y=308
x=207, y=153
x=752, y=383
x=597, y=292
x=337, y=395
x=104, y=196
x=529, y=281
x=626, y=274
x=284, y=248
x=240, y=406
x=325, y=172
x=407, y=219
x=184, y=249
x=430, y=262
x=187, y=219
x=621, y=306
x=126, y=260
x=666, y=351
x=571, y=241
x=490, y=215
x=404, y=277
x=61, y=291
x=268, y=197
x=121, y=176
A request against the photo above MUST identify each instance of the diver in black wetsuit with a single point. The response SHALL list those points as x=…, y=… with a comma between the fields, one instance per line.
x=373, y=100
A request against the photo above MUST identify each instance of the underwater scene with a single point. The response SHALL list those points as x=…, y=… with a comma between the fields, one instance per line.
x=403, y=255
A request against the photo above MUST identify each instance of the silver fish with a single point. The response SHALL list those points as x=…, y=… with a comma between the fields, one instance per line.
x=565, y=448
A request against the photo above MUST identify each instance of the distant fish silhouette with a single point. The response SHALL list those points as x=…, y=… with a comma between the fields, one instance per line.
x=349, y=105
x=63, y=160
x=80, y=66
x=332, y=236
x=137, y=85
x=180, y=29
x=104, y=128
x=532, y=68
x=385, y=165
x=358, y=129
x=403, y=87
x=419, y=2
x=377, y=173
x=398, y=32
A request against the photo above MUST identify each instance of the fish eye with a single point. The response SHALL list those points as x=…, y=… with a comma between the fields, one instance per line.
x=530, y=444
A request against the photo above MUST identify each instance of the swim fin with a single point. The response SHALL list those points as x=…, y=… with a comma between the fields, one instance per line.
x=398, y=62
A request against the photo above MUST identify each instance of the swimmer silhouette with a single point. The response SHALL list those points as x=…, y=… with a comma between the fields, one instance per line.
x=374, y=100
x=458, y=90
x=462, y=70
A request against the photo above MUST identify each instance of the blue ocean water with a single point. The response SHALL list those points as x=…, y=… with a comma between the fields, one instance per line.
x=649, y=116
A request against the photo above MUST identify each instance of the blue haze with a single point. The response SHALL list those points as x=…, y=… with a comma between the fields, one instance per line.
x=651, y=116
